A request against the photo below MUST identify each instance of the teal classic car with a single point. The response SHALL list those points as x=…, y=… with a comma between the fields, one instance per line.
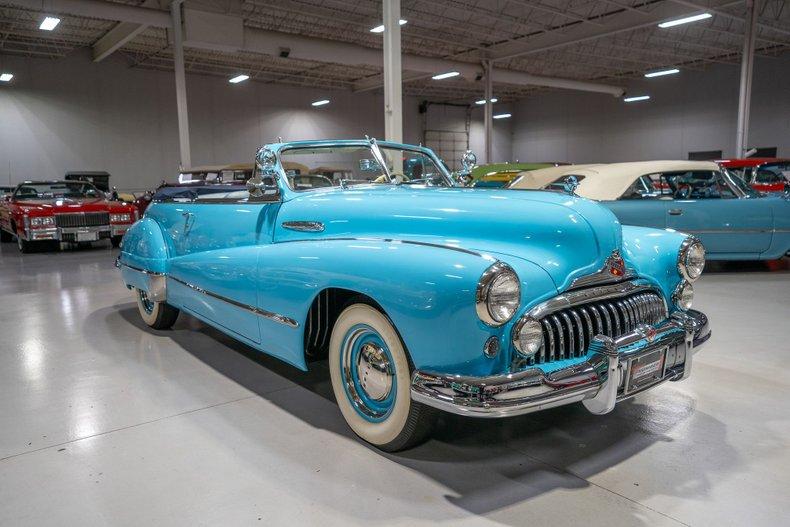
x=733, y=221
x=423, y=296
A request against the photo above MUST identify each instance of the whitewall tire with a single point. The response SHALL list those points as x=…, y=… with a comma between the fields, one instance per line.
x=157, y=315
x=371, y=379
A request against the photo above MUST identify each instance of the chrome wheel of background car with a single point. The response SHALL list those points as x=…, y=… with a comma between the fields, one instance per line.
x=371, y=379
x=368, y=377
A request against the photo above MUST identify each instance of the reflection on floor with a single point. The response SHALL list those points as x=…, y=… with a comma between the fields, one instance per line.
x=104, y=421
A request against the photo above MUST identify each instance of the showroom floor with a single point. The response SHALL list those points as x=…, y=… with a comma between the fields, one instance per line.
x=105, y=421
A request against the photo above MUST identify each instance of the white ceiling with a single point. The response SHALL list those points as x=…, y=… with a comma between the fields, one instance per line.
x=603, y=41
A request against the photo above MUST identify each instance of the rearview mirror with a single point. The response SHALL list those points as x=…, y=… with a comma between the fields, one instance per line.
x=468, y=162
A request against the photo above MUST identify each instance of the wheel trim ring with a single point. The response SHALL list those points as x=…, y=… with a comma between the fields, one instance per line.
x=368, y=408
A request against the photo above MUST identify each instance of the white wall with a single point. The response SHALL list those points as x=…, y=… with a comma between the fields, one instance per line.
x=691, y=111
x=72, y=114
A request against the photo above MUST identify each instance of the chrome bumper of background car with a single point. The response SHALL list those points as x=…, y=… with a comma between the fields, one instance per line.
x=71, y=234
x=600, y=381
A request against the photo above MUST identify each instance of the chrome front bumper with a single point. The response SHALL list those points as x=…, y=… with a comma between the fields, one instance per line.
x=599, y=381
x=71, y=234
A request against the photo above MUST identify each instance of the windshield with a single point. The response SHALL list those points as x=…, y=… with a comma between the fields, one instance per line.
x=739, y=184
x=778, y=172
x=57, y=190
x=308, y=168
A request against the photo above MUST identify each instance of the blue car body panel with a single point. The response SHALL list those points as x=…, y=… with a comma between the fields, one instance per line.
x=418, y=252
x=752, y=228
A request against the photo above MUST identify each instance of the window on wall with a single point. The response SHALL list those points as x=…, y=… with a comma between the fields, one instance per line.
x=705, y=155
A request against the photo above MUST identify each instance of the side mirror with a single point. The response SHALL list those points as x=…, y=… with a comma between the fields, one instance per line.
x=468, y=162
x=570, y=184
x=262, y=186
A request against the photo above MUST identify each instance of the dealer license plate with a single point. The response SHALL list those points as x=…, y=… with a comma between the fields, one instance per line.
x=87, y=236
x=645, y=370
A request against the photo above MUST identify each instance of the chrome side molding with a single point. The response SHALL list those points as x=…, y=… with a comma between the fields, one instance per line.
x=304, y=226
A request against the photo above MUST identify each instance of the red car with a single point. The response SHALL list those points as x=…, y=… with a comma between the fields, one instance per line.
x=62, y=211
x=766, y=174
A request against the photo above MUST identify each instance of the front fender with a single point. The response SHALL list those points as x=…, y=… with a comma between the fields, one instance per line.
x=653, y=253
x=144, y=247
x=427, y=291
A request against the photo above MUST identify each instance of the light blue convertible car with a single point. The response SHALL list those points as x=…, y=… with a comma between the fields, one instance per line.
x=423, y=295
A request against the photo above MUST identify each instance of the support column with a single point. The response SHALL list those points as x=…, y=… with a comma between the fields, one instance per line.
x=181, y=85
x=747, y=67
x=489, y=110
x=393, y=97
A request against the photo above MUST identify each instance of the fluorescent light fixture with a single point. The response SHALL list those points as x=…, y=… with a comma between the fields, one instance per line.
x=685, y=20
x=322, y=102
x=483, y=101
x=661, y=73
x=49, y=23
x=380, y=29
x=445, y=75
x=239, y=78
x=502, y=116
x=6, y=77
x=636, y=98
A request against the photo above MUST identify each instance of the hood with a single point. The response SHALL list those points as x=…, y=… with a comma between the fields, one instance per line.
x=67, y=205
x=565, y=235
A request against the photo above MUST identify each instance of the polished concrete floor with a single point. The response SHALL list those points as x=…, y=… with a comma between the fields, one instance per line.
x=103, y=421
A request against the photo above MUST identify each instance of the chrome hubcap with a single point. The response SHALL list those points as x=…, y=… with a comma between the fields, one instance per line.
x=148, y=304
x=374, y=372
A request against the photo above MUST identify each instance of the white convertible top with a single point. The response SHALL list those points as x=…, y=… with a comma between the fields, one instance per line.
x=609, y=181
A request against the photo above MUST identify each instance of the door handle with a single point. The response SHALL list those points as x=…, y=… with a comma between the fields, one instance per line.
x=675, y=212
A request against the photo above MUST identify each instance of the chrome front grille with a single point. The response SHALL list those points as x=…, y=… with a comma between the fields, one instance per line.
x=88, y=219
x=567, y=333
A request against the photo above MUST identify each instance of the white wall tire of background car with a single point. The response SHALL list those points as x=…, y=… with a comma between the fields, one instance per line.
x=157, y=315
x=371, y=379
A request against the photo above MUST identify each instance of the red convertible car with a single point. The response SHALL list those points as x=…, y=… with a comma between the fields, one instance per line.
x=37, y=212
x=766, y=174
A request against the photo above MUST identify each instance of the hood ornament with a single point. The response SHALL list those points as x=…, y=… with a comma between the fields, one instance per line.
x=570, y=184
x=615, y=264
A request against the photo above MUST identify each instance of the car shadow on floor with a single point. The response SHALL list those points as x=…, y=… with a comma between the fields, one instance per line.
x=490, y=464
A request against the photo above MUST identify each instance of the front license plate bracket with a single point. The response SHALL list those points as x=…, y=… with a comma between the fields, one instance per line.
x=645, y=370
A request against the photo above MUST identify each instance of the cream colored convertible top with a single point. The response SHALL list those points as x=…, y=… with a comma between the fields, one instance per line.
x=535, y=179
x=610, y=181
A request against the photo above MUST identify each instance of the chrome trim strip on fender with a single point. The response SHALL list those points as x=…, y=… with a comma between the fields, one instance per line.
x=386, y=240
x=304, y=226
x=282, y=319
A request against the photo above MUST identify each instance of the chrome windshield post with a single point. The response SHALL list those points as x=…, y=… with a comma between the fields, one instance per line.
x=374, y=147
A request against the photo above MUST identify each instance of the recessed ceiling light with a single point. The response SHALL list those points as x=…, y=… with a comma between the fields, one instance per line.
x=6, y=77
x=445, y=75
x=483, y=101
x=685, y=20
x=661, y=73
x=636, y=98
x=239, y=78
x=380, y=29
x=322, y=102
x=502, y=116
x=49, y=23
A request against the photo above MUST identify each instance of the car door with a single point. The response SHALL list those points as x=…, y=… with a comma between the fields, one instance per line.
x=214, y=242
x=707, y=205
x=643, y=205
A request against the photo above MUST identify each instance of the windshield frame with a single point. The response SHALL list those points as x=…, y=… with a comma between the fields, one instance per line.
x=375, y=149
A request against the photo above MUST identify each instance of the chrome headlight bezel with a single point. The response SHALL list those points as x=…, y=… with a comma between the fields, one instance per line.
x=42, y=221
x=690, y=244
x=683, y=296
x=528, y=323
x=488, y=281
x=120, y=217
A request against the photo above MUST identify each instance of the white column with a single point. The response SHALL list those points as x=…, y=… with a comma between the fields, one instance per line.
x=489, y=110
x=393, y=98
x=745, y=94
x=181, y=85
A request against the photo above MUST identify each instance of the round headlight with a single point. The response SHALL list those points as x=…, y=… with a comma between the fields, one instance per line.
x=498, y=295
x=691, y=259
x=528, y=337
x=683, y=296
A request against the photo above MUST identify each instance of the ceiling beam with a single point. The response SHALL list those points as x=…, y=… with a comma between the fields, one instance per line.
x=716, y=10
x=619, y=22
x=118, y=36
